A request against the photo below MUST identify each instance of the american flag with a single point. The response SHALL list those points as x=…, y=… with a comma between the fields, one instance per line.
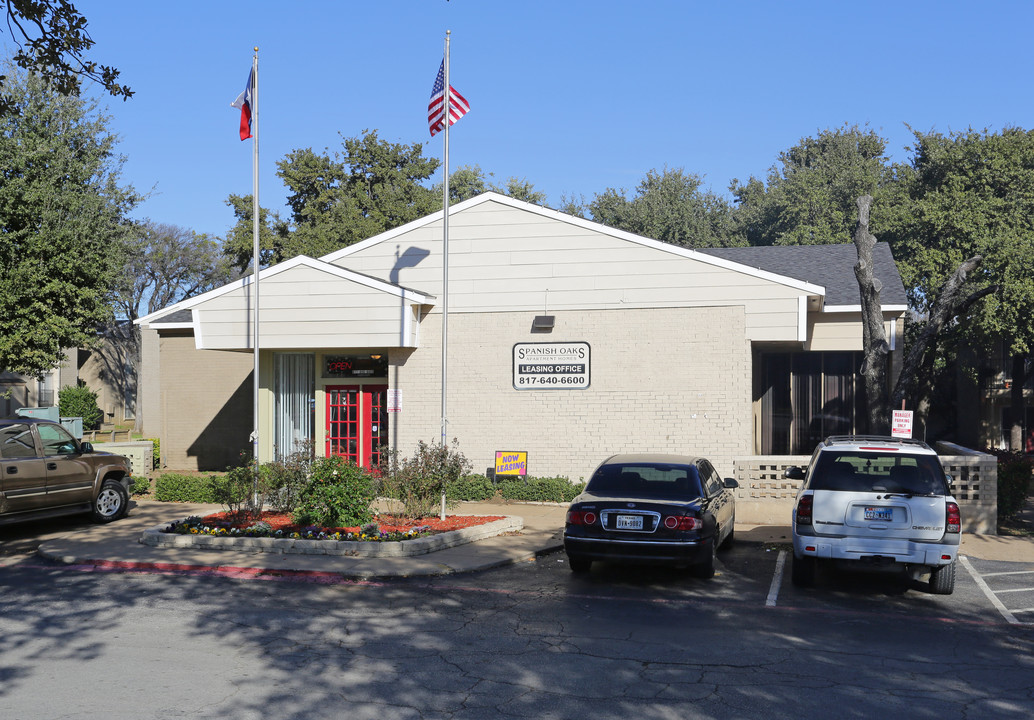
x=458, y=105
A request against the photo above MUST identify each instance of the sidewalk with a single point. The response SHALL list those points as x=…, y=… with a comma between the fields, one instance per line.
x=118, y=546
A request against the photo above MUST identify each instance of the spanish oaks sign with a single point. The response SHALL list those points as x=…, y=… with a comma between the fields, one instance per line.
x=551, y=366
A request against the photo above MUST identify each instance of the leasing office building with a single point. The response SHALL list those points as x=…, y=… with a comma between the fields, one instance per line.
x=566, y=339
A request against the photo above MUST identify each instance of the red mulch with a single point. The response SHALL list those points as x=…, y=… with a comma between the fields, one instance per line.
x=284, y=521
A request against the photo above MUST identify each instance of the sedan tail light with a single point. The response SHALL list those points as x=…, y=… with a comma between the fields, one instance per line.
x=683, y=522
x=804, y=508
x=581, y=517
x=954, y=524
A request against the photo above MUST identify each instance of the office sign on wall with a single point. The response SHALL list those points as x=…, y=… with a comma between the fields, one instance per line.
x=551, y=366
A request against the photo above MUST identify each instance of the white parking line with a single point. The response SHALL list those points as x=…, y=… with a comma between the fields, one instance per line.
x=1009, y=617
x=1011, y=572
x=1030, y=589
x=777, y=580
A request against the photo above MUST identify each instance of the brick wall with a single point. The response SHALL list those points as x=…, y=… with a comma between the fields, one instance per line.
x=662, y=380
x=206, y=405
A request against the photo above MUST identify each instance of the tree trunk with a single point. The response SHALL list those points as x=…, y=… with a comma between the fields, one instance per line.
x=915, y=383
x=874, y=337
x=1018, y=408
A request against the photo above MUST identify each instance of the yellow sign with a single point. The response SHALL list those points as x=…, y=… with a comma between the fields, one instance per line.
x=511, y=462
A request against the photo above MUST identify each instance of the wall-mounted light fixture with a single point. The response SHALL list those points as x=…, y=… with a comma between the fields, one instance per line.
x=543, y=323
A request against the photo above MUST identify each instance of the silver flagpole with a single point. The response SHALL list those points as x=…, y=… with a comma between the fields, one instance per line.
x=255, y=275
x=445, y=258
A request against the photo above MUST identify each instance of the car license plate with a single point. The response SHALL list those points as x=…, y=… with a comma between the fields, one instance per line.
x=879, y=513
x=629, y=522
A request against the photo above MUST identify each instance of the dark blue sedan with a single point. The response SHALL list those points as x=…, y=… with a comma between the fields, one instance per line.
x=651, y=508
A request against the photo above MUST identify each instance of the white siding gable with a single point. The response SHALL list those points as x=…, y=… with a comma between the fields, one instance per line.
x=306, y=304
x=507, y=256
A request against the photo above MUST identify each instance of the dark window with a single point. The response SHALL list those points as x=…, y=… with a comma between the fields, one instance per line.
x=16, y=442
x=807, y=396
x=655, y=480
x=878, y=472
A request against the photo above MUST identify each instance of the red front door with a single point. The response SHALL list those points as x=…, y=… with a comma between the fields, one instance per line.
x=357, y=422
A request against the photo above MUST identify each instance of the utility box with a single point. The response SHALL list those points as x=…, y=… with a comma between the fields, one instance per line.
x=73, y=425
x=41, y=413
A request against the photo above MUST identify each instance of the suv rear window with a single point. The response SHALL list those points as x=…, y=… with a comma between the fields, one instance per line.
x=861, y=471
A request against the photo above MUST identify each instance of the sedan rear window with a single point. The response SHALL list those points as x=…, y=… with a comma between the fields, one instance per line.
x=860, y=471
x=658, y=480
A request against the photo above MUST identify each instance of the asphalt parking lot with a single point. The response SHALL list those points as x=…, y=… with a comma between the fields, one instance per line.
x=754, y=576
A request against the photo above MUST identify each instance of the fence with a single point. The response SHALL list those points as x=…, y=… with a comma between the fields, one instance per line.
x=765, y=497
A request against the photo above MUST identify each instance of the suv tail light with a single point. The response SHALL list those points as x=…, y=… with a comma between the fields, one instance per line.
x=804, y=506
x=581, y=517
x=683, y=522
x=954, y=515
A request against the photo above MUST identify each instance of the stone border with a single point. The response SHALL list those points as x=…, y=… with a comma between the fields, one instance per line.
x=154, y=537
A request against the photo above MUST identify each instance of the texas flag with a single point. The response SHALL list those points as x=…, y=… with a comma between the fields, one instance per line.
x=243, y=102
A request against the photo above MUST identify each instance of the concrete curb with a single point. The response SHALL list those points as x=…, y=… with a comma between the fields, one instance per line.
x=156, y=537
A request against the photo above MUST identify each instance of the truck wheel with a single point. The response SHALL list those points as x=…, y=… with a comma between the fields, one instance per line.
x=112, y=502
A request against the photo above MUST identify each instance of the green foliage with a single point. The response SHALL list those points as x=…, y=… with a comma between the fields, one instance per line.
x=551, y=489
x=338, y=493
x=62, y=220
x=668, y=206
x=335, y=201
x=1014, y=482
x=236, y=491
x=417, y=483
x=173, y=487
x=470, y=488
x=81, y=402
x=52, y=41
x=140, y=486
x=973, y=194
x=811, y=193
x=282, y=482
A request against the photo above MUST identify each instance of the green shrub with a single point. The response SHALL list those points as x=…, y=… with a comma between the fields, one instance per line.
x=281, y=482
x=338, y=493
x=553, y=489
x=236, y=491
x=139, y=486
x=172, y=487
x=470, y=487
x=156, y=453
x=81, y=402
x=1014, y=480
x=417, y=483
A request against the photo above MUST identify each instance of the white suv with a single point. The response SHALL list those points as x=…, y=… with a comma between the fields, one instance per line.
x=877, y=502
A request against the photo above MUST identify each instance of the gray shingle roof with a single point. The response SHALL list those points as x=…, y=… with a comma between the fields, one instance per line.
x=831, y=266
x=180, y=316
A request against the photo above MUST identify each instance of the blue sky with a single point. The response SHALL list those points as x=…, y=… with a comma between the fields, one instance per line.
x=573, y=95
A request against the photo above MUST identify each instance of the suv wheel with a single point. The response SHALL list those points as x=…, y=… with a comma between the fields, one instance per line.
x=942, y=579
x=112, y=502
x=803, y=571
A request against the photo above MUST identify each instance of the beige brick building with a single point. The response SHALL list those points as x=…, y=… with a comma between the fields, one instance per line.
x=634, y=344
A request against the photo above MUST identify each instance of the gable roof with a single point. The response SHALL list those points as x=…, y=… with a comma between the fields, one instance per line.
x=493, y=197
x=179, y=314
x=831, y=266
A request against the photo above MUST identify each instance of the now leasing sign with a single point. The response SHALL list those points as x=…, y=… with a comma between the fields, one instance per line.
x=511, y=462
x=551, y=366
